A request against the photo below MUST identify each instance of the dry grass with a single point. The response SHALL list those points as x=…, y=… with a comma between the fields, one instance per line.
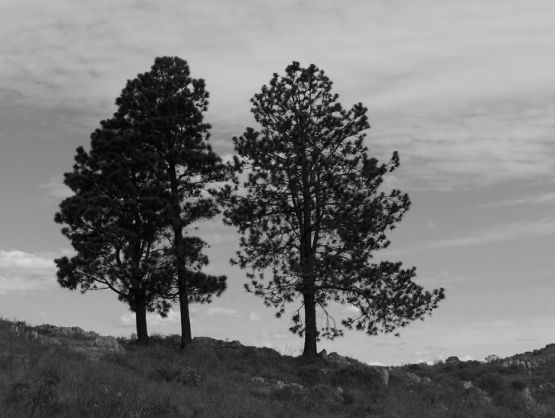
x=215, y=379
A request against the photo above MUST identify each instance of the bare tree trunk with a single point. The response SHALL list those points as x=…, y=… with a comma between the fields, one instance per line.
x=179, y=249
x=311, y=333
x=140, y=319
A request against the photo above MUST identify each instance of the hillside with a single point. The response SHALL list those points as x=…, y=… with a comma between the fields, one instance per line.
x=49, y=371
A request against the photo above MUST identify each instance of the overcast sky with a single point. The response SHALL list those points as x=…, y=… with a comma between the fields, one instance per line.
x=465, y=91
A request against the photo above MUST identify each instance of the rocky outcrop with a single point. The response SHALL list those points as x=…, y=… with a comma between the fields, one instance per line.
x=66, y=332
x=492, y=358
x=108, y=344
x=452, y=360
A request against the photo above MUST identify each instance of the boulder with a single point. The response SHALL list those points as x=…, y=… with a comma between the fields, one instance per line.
x=384, y=375
x=108, y=344
x=467, y=384
x=414, y=378
x=492, y=358
x=338, y=359
x=527, y=396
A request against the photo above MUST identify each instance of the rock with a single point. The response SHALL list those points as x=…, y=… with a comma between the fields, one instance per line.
x=452, y=360
x=527, y=396
x=108, y=344
x=338, y=359
x=516, y=362
x=414, y=378
x=234, y=344
x=467, y=384
x=279, y=384
x=478, y=397
x=294, y=385
x=384, y=375
x=258, y=379
x=492, y=358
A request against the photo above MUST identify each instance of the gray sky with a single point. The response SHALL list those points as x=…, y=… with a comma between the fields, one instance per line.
x=463, y=90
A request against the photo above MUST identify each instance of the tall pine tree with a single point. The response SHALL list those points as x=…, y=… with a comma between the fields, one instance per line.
x=114, y=221
x=313, y=213
x=165, y=108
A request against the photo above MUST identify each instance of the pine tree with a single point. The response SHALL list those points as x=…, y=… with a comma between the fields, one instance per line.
x=114, y=222
x=165, y=107
x=312, y=212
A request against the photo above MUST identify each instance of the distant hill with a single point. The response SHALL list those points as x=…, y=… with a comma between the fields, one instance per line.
x=49, y=371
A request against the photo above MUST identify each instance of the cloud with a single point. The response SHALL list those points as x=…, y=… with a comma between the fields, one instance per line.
x=214, y=311
x=498, y=233
x=56, y=188
x=537, y=199
x=21, y=272
x=466, y=101
x=153, y=319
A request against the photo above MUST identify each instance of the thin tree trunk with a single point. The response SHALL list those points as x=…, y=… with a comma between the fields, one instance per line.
x=140, y=319
x=186, y=336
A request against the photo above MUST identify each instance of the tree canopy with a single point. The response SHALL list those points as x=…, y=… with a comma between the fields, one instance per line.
x=165, y=108
x=312, y=212
x=114, y=222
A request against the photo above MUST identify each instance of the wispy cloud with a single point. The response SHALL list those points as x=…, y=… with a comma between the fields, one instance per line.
x=55, y=188
x=538, y=199
x=21, y=272
x=216, y=310
x=498, y=233
x=466, y=101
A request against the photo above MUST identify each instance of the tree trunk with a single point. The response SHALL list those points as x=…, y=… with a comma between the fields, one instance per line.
x=311, y=333
x=140, y=319
x=186, y=336
x=179, y=249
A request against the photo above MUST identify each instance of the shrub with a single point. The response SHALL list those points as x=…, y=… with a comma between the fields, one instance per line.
x=492, y=382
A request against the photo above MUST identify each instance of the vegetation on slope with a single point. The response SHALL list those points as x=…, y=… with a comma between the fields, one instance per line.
x=55, y=374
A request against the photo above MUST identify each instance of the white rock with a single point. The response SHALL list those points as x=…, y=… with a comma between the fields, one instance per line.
x=492, y=358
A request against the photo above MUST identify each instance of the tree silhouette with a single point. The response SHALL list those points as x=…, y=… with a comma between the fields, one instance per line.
x=164, y=107
x=114, y=222
x=313, y=214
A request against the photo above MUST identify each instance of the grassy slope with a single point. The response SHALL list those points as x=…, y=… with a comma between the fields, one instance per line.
x=215, y=379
